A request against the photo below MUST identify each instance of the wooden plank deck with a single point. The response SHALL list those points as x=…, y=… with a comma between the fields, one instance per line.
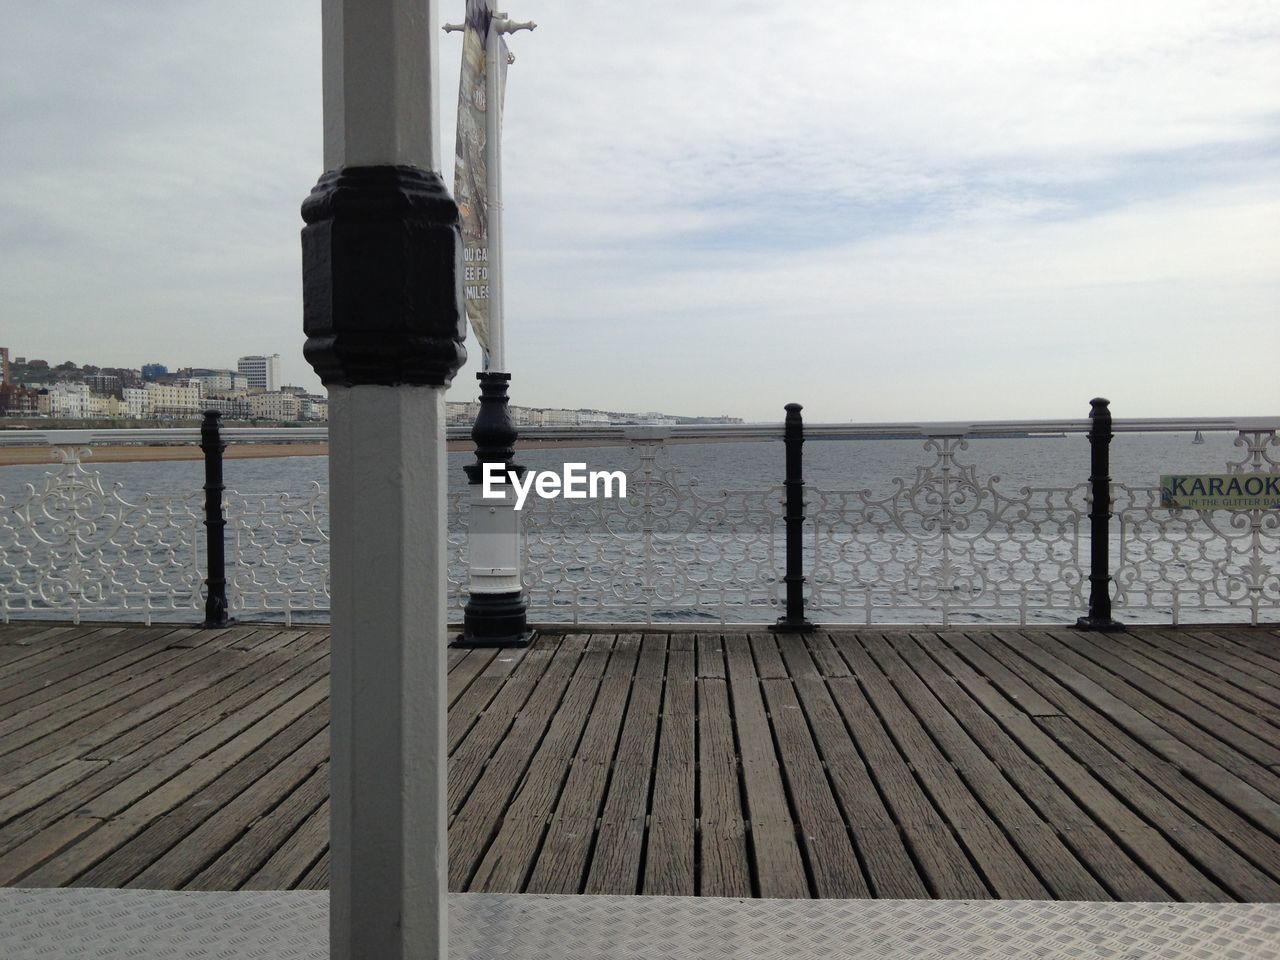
x=909, y=763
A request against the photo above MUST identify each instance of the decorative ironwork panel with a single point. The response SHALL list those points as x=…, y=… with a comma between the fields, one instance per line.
x=1183, y=562
x=945, y=542
x=950, y=543
x=76, y=547
x=278, y=546
x=665, y=552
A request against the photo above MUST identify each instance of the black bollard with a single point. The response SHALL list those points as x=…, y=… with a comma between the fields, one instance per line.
x=1099, y=617
x=793, y=438
x=215, y=604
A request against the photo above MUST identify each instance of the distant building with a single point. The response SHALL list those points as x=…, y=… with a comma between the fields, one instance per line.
x=263, y=373
x=137, y=403
x=152, y=371
x=174, y=399
x=313, y=407
x=525, y=416
x=4, y=366
x=68, y=401
x=16, y=401
x=231, y=408
x=105, y=383
x=462, y=414
x=275, y=406
x=221, y=383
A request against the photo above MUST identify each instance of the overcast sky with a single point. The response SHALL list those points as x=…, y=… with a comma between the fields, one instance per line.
x=883, y=210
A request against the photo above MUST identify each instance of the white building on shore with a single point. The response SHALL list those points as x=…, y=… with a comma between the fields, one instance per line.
x=261, y=372
x=275, y=406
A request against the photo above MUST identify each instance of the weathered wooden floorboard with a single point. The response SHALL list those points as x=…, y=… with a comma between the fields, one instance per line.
x=775, y=851
x=106, y=714
x=469, y=755
x=71, y=670
x=1131, y=769
x=1264, y=641
x=1001, y=864
x=20, y=657
x=562, y=862
x=617, y=859
x=288, y=867
x=725, y=870
x=1091, y=785
x=1182, y=698
x=517, y=836
x=890, y=763
x=710, y=647
x=248, y=801
x=1035, y=838
x=1224, y=667
x=481, y=815
x=669, y=868
x=118, y=762
x=141, y=802
x=1064, y=793
x=943, y=864
x=890, y=872
x=267, y=831
x=1215, y=764
x=463, y=670
x=829, y=853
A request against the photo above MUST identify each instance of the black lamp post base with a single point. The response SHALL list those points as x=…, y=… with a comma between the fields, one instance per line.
x=495, y=620
x=790, y=626
x=1099, y=625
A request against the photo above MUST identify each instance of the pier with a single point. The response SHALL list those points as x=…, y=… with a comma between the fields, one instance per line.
x=958, y=764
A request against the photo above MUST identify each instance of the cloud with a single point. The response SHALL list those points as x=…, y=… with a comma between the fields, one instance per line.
x=880, y=209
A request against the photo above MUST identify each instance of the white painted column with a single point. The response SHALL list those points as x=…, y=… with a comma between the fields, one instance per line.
x=388, y=826
x=387, y=477
x=381, y=77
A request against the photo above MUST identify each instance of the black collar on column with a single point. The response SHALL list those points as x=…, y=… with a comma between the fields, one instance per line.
x=382, y=278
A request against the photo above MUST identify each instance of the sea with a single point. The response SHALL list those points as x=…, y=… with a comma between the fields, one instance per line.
x=1043, y=461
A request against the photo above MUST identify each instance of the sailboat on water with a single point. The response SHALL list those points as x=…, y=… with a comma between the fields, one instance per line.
x=1198, y=438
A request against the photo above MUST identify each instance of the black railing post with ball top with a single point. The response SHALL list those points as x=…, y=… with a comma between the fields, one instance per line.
x=1099, y=616
x=793, y=621
x=211, y=442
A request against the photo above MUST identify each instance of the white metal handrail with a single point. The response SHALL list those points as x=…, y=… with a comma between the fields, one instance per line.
x=626, y=433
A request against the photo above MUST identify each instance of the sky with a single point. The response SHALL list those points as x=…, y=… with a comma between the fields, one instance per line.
x=886, y=211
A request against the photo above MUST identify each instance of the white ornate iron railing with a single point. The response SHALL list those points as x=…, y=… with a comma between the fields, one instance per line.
x=949, y=539
x=1192, y=560
x=945, y=541
x=76, y=547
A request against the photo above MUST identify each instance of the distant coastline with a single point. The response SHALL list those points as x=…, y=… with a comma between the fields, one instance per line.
x=139, y=453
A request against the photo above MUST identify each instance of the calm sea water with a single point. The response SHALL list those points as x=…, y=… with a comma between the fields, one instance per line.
x=1136, y=459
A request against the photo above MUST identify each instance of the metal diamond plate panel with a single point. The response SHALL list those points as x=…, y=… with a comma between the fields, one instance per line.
x=148, y=925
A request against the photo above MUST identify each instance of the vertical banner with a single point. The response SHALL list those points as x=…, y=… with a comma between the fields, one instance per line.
x=470, y=180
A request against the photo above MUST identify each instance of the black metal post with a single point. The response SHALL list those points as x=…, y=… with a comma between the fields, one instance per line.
x=1099, y=617
x=215, y=604
x=793, y=438
x=494, y=619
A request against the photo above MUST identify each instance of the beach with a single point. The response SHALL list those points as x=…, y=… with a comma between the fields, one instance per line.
x=140, y=453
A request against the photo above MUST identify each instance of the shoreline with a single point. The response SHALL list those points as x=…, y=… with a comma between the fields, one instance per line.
x=140, y=453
